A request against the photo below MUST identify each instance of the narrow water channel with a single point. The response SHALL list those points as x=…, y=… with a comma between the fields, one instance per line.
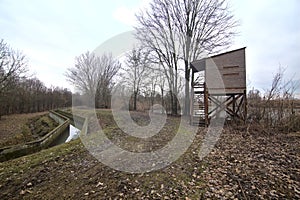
x=70, y=133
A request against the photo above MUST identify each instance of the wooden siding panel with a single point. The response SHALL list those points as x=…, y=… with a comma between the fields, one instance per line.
x=228, y=69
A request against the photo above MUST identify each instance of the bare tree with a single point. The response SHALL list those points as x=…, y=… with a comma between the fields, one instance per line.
x=151, y=86
x=161, y=85
x=185, y=29
x=21, y=94
x=156, y=33
x=86, y=73
x=93, y=76
x=13, y=66
x=135, y=71
x=109, y=69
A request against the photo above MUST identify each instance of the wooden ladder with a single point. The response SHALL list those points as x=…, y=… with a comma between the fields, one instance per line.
x=199, y=105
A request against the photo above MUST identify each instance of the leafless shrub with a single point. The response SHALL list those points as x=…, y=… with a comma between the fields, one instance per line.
x=276, y=110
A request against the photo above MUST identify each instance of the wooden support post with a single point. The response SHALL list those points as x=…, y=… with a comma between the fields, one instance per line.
x=206, y=105
x=233, y=106
x=245, y=105
x=192, y=98
x=192, y=106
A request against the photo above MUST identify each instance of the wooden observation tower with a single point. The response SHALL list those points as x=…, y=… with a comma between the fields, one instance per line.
x=218, y=88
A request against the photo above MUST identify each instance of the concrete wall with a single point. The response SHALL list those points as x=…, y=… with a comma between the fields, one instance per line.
x=84, y=129
x=76, y=120
x=60, y=119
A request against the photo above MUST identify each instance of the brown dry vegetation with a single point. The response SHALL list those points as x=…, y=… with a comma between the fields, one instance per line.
x=20, y=128
x=11, y=126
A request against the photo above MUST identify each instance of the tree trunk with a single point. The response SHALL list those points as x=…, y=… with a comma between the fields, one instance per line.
x=187, y=90
x=174, y=105
x=152, y=100
x=134, y=100
x=162, y=101
x=175, y=94
x=172, y=101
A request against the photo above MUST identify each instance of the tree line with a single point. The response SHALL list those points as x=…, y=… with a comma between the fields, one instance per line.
x=19, y=92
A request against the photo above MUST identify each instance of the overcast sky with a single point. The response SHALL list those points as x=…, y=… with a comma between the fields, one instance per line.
x=52, y=33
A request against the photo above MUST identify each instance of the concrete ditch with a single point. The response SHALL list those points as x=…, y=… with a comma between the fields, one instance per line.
x=11, y=152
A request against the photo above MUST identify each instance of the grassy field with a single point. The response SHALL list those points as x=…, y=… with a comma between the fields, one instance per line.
x=245, y=164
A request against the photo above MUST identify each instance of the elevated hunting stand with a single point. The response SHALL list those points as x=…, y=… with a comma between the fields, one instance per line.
x=218, y=84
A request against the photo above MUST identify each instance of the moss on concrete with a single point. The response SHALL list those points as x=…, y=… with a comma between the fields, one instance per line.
x=40, y=126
